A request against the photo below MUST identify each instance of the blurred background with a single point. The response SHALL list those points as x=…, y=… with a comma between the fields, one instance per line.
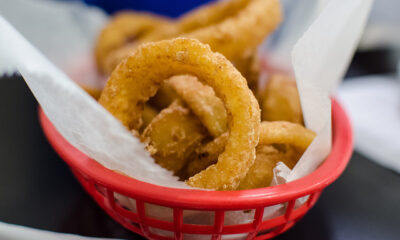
x=38, y=190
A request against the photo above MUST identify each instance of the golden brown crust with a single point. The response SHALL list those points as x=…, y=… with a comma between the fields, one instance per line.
x=281, y=101
x=233, y=28
x=165, y=95
x=291, y=139
x=281, y=132
x=202, y=101
x=173, y=135
x=205, y=156
x=209, y=14
x=138, y=77
x=239, y=35
x=94, y=92
x=260, y=174
x=125, y=27
x=149, y=113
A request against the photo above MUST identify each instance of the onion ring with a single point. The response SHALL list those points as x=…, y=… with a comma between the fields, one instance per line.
x=138, y=77
x=239, y=35
x=280, y=101
x=281, y=132
x=93, y=92
x=294, y=137
x=236, y=34
x=124, y=27
x=149, y=113
x=261, y=173
x=173, y=135
x=204, y=156
x=202, y=101
x=165, y=95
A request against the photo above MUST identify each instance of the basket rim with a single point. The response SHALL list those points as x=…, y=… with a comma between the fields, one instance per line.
x=324, y=175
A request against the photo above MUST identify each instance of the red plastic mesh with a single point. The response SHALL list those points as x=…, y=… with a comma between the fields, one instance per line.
x=140, y=223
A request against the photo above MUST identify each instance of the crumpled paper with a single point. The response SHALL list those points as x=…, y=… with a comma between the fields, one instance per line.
x=77, y=116
x=319, y=60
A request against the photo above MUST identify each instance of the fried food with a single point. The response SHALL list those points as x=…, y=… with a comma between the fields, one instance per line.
x=280, y=101
x=281, y=132
x=149, y=113
x=237, y=36
x=202, y=101
x=165, y=95
x=204, y=156
x=261, y=173
x=234, y=28
x=173, y=135
x=125, y=27
x=94, y=92
x=138, y=77
x=210, y=14
x=289, y=141
x=249, y=67
x=292, y=139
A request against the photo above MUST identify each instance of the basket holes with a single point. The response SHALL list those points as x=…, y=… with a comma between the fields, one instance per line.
x=266, y=231
x=239, y=217
x=289, y=209
x=274, y=211
x=134, y=224
x=161, y=232
x=241, y=236
x=159, y=212
x=125, y=202
x=189, y=236
x=313, y=198
x=302, y=200
x=100, y=189
x=198, y=217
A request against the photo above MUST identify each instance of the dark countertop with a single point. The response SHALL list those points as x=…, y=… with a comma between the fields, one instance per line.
x=38, y=190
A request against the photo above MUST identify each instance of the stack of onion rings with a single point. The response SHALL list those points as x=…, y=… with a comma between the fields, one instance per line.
x=125, y=27
x=280, y=100
x=190, y=106
x=138, y=77
x=227, y=26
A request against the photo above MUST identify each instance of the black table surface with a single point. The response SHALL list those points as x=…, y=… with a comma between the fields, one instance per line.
x=38, y=190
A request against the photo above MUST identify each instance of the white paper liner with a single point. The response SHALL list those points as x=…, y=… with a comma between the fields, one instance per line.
x=319, y=60
x=78, y=117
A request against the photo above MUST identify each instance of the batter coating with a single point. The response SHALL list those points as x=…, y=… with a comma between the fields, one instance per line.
x=138, y=77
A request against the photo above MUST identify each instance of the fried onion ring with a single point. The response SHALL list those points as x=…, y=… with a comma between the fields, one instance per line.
x=261, y=173
x=236, y=34
x=93, y=92
x=149, y=113
x=173, y=135
x=294, y=138
x=165, y=95
x=202, y=101
x=124, y=27
x=138, y=77
x=280, y=101
x=204, y=156
x=281, y=132
x=240, y=34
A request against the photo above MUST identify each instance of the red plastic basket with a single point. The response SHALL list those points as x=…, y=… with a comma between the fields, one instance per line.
x=105, y=185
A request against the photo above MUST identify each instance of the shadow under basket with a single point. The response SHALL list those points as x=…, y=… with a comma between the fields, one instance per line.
x=166, y=213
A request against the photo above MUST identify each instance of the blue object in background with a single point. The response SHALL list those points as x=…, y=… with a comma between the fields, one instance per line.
x=172, y=8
